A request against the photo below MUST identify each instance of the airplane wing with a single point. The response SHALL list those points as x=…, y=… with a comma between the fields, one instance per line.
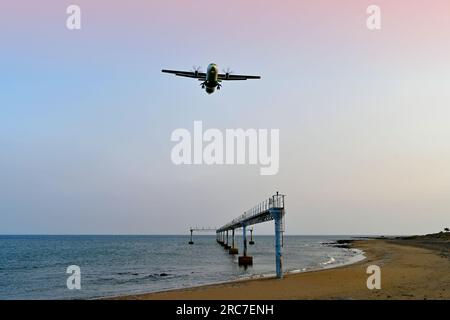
x=236, y=77
x=189, y=74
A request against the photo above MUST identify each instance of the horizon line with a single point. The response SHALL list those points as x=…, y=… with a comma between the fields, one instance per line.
x=187, y=234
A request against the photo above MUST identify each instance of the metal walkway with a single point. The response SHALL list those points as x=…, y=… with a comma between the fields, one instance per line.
x=199, y=229
x=270, y=209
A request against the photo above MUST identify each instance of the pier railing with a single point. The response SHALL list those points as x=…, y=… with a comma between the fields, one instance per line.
x=203, y=229
x=257, y=214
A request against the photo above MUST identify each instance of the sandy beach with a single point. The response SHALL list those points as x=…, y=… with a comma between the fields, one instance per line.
x=416, y=268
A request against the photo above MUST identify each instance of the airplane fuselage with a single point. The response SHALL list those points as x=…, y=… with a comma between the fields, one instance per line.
x=212, y=78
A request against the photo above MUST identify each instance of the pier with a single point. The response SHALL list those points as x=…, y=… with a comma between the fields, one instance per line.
x=267, y=210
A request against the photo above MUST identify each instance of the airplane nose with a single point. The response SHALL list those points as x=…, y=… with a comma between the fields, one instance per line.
x=209, y=90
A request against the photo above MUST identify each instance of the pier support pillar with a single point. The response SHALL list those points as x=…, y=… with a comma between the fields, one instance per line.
x=251, y=242
x=191, y=241
x=226, y=246
x=245, y=260
x=233, y=249
x=278, y=217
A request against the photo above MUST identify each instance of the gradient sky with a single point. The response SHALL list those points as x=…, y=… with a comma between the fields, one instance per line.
x=86, y=116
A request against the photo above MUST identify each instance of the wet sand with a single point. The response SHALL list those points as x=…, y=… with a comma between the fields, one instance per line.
x=409, y=270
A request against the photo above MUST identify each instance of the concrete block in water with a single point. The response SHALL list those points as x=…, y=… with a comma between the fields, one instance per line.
x=245, y=260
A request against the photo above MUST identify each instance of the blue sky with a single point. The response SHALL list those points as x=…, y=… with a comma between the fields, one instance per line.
x=86, y=118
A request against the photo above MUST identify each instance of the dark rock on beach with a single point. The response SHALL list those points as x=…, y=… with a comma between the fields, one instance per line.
x=344, y=244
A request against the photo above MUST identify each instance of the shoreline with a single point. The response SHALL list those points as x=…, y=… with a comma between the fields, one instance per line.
x=409, y=271
x=359, y=257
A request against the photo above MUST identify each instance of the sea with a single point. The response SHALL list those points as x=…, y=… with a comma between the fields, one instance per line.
x=35, y=267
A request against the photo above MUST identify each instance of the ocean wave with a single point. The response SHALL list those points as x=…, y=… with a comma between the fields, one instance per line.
x=329, y=261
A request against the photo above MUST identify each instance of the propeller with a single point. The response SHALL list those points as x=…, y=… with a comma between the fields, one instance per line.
x=227, y=72
x=196, y=69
